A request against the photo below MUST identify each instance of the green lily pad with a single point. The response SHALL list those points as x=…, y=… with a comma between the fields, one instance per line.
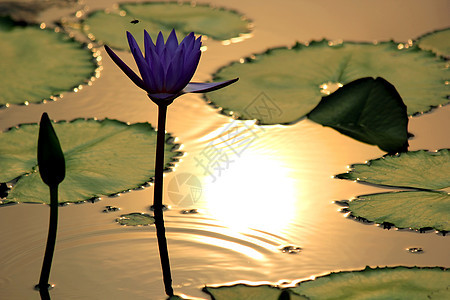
x=217, y=23
x=417, y=169
x=412, y=209
x=136, y=219
x=437, y=41
x=248, y=292
x=379, y=283
x=369, y=110
x=293, y=80
x=102, y=158
x=37, y=64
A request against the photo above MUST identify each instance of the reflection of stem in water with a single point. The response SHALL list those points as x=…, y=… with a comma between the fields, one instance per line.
x=51, y=240
x=157, y=200
x=45, y=295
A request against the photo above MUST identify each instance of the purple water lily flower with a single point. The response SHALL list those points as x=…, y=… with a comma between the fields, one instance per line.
x=166, y=68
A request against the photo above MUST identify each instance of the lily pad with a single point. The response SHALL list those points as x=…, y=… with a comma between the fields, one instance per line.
x=369, y=110
x=417, y=169
x=217, y=23
x=437, y=41
x=38, y=64
x=135, y=219
x=294, y=80
x=248, y=292
x=417, y=210
x=102, y=158
x=379, y=283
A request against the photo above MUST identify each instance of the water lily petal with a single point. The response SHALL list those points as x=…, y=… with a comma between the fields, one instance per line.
x=127, y=70
x=157, y=70
x=140, y=61
x=188, y=43
x=172, y=43
x=190, y=64
x=198, y=43
x=165, y=59
x=174, y=77
x=160, y=43
x=149, y=48
x=203, y=87
x=148, y=45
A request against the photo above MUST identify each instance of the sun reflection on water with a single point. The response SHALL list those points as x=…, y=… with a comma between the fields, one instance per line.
x=245, y=250
x=234, y=200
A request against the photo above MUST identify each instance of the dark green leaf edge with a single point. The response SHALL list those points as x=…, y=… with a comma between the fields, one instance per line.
x=241, y=15
x=64, y=35
x=298, y=46
x=299, y=282
x=369, y=269
x=385, y=225
x=167, y=169
x=418, y=39
x=286, y=290
x=348, y=176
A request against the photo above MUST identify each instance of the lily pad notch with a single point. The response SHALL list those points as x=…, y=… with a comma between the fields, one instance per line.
x=437, y=41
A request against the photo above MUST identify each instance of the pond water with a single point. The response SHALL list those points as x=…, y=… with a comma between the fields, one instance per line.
x=275, y=191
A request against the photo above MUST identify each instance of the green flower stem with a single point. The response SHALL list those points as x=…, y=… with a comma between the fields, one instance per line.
x=157, y=200
x=51, y=238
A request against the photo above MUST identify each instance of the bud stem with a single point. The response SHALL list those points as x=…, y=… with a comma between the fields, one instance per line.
x=51, y=238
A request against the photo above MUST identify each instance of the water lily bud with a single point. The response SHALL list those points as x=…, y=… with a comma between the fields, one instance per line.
x=52, y=166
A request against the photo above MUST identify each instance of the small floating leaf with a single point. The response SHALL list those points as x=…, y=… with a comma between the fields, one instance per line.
x=438, y=42
x=379, y=283
x=110, y=208
x=294, y=80
x=415, y=250
x=415, y=210
x=416, y=169
x=136, y=219
x=247, y=292
x=102, y=158
x=219, y=24
x=39, y=63
x=291, y=249
x=369, y=110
